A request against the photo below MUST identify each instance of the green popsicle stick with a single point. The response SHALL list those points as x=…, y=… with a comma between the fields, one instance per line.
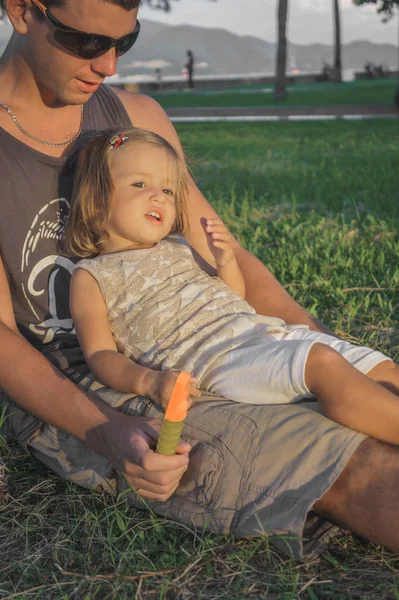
x=169, y=437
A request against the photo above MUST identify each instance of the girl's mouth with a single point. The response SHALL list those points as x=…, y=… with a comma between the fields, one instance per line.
x=155, y=216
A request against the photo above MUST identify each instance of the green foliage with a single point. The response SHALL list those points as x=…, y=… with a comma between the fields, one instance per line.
x=385, y=7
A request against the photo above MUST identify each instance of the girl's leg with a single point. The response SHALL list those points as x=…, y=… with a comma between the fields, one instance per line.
x=387, y=374
x=351, y=398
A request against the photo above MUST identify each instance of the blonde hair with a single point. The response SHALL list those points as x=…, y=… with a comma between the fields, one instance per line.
x=85, y=234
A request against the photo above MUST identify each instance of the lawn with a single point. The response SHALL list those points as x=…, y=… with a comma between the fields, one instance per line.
x=355, y=92
x=317, y=203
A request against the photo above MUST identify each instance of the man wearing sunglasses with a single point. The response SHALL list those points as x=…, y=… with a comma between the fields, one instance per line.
x=246, y=472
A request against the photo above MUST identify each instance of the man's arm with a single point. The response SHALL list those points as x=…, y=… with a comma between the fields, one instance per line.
x=40, y=389
x=263, y=291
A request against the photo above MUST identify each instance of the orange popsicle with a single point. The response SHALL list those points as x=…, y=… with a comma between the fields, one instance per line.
x=175, y=414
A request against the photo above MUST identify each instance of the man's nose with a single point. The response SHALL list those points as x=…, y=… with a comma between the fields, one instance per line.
x=105, y=65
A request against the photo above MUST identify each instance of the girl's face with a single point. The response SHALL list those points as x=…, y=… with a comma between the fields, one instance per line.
x=143, y=201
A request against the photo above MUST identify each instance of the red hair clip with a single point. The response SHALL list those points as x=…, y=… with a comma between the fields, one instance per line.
x=117, y=140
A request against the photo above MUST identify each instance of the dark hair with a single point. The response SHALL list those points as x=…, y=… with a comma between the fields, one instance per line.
x=126, y=4
x=85, y=233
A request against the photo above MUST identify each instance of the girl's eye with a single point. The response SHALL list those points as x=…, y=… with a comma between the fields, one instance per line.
x=168, y=192
x=139, y=184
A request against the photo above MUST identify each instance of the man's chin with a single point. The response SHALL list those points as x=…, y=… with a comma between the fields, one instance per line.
x=75, y=99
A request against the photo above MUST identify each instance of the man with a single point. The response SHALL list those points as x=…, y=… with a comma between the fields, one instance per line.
x=190, y=68
x=251, y=468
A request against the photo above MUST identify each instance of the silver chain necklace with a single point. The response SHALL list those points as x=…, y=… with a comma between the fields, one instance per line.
x=33, y=137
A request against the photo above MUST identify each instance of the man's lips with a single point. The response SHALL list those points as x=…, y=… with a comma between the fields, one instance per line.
x=89, y=86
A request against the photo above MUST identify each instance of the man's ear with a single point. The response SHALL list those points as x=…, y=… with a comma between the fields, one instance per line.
x=17, y=11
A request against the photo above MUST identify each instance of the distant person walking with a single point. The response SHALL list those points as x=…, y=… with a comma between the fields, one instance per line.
x=190, y=68
x=158, y=78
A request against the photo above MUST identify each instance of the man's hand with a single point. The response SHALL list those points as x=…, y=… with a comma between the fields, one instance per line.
x=158, y=385
x=220, y=241
x=127, y=442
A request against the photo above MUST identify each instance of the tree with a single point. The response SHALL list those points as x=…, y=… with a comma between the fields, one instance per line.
x=164, y=5
x=386, y=8
x=337, y=44
x=280, y=83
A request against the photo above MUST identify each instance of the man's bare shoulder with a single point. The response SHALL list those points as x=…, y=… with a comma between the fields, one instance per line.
x=145, y=112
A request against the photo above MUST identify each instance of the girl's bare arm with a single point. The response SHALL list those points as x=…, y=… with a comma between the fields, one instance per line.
x=89, y=314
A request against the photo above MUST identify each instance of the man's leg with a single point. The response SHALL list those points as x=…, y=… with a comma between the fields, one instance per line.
x=258, y=470
x=253, y=470
x=364, y=498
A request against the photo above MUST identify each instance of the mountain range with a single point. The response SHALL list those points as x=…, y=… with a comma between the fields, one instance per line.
x=219, y=52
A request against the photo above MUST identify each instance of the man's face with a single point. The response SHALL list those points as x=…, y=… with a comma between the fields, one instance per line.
x=60, y=75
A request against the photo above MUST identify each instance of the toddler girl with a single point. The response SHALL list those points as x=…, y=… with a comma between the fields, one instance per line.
x=144, y=309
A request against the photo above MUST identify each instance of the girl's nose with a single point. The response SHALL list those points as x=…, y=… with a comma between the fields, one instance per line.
x=158, y=196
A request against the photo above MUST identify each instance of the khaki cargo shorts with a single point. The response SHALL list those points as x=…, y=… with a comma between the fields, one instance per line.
x=253, y=470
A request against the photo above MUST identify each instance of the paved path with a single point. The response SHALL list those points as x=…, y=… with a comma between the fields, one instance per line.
x=283, y=112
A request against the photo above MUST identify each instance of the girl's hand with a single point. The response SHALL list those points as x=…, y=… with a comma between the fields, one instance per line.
x=220, y=241
x=159, y=387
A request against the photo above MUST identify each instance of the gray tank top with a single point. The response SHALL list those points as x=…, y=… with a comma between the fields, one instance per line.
x=34, y=194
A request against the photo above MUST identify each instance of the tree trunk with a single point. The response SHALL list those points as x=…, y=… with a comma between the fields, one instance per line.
x=337, y=41
x=280, y=84
x=396, y=100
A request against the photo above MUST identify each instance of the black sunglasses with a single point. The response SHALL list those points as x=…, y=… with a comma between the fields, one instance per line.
x=88, y=45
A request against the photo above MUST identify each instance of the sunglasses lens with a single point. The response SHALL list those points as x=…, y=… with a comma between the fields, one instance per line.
x=81, y=44
x=125, y=43
x=94, y=47
x=91, y=46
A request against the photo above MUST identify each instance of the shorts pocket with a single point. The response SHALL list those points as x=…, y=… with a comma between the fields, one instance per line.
x=201, y=482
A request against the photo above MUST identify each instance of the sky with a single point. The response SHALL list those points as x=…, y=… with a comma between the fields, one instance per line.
x=308, y=20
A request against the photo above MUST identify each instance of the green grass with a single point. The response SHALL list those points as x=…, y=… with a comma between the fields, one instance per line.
x=317, y=202
x=357, y=92
x=328, y=191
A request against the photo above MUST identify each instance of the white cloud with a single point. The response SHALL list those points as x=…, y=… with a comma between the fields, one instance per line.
x=317, y=6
